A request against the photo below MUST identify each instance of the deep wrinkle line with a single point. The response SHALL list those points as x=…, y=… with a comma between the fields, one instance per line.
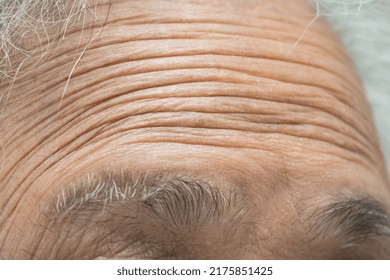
x=167, y=141
x=202, y=81
x=281, y=20
x=118, y=62
x=240, y=97
x=247, y=131
x=115, y=120
x=208, y=80
x=188, y=53
x=300, y=104
x=125, y=21
x=113, y=97
x=250, y=74
x=268, y=57
x=93, y=105
x=105, y=142
x=108, y=123
x=207, y=30
x=193, y=37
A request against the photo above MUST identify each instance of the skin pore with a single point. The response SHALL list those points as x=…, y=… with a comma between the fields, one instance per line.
x=190, y=129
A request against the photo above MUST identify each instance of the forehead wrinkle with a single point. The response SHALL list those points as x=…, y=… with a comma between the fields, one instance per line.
x=148, y=49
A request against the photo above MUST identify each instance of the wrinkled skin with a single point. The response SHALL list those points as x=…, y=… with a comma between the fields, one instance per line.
x=241, y=94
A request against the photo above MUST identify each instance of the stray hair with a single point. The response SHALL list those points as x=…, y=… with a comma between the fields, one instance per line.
x=22, y=20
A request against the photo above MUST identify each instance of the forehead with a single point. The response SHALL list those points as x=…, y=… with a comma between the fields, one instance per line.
x=236, y=103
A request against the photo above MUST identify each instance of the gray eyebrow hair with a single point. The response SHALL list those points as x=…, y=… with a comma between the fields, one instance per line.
x=151, y=215
x=175, y=200
x=351, y=219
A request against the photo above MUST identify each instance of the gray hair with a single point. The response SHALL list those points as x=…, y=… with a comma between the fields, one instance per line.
x=31, y=19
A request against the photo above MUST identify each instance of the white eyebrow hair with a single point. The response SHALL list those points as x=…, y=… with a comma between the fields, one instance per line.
x=150, y=214
x=174, y=200
x=98, y=190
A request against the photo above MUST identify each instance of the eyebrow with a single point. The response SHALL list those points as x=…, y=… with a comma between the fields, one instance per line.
x=352, y=220
x=176, y=205
x=173, y=199
x=181, y=205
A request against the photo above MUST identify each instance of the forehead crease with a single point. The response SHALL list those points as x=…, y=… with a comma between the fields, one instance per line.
x=123, y=91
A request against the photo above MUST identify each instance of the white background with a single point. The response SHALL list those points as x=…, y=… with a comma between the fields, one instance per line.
x=107, y=269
